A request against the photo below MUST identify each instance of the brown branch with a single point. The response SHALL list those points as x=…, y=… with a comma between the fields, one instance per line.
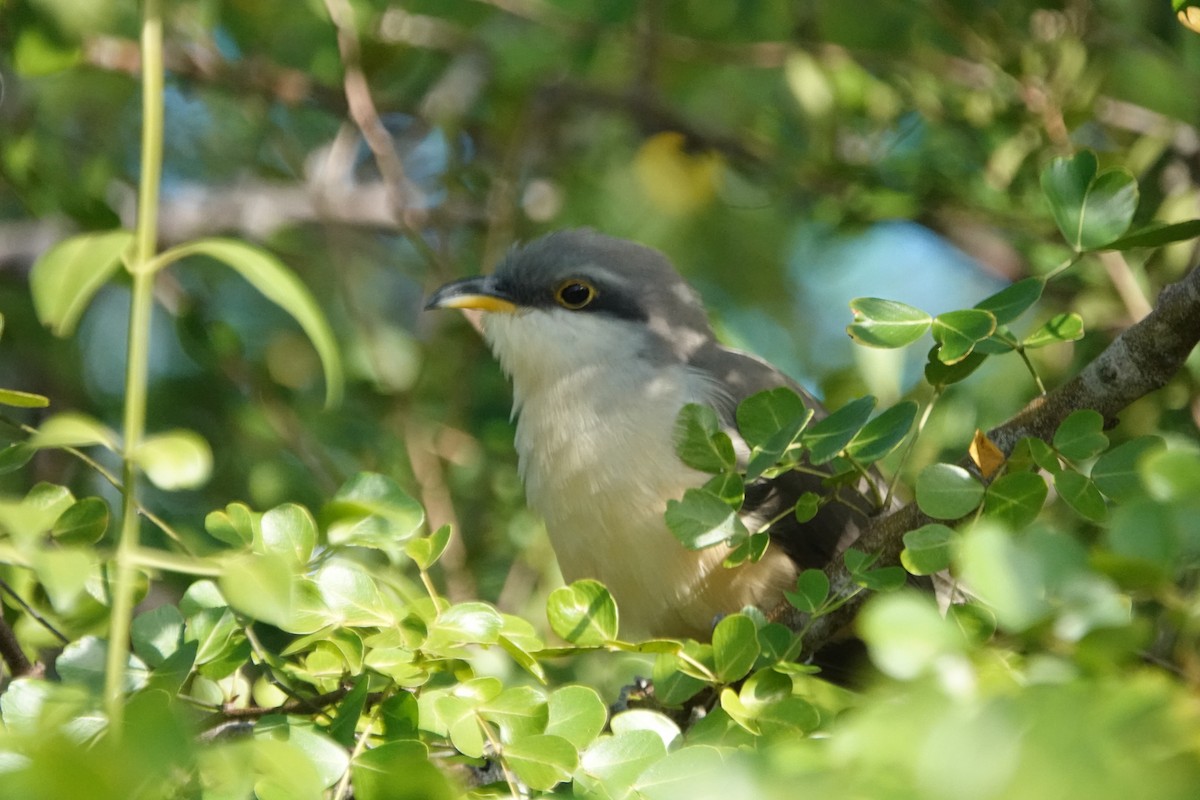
x=1139, y=361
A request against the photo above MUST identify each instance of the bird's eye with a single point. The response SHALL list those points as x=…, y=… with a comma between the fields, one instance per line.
x=575, y=294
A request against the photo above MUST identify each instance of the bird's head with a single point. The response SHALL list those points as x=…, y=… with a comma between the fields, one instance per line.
x=579, y=300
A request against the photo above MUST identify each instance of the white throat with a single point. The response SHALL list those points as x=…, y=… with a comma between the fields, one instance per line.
x=596, y=452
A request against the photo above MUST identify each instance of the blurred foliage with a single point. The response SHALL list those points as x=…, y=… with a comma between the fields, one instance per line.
x=307, y=624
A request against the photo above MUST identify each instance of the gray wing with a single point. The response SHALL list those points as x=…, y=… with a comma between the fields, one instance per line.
x=837, y=524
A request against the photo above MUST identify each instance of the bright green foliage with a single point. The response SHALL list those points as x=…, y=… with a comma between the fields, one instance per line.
x=302, y=640
x=827, y=438
x=957, y=332
x=886, y=323
x=947, y=491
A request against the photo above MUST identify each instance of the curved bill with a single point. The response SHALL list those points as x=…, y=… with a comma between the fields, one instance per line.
x=479, y=292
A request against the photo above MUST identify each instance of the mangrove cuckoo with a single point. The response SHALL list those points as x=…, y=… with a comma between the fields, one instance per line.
x=604, y=343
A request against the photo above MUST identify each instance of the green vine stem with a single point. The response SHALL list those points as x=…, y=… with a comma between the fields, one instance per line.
x=136, y=369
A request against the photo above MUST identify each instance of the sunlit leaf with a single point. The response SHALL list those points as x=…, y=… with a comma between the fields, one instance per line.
x=542, y=761
x=17, y=399
x=812, y=589
x=886, y=323
x=735, y=647
x=66, y=277
x=72, y=429
x=1059, y=328
x=259, y=586
x=947, y=491
x=702, y=519
x=927, y=549
x=583, y=613
x=957, y=332
x=177, y=459
x=371, y=510
x=577, y=714
x=700, y=442
x=83, y=523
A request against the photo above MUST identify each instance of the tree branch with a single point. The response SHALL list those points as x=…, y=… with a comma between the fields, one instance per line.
x=1139, y=361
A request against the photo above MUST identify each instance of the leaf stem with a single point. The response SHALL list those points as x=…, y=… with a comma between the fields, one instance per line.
x=137, y=365
x=912, y=442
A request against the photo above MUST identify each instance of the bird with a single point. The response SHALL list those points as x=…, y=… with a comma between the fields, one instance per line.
x=604, y=343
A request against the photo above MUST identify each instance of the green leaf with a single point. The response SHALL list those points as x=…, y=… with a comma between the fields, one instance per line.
x=1091, y=210
x=465, y=623
x=371, y=510
x=735, y=647
x=577, y=714
x=67, y=276
x=84, y=522
x=947, y=491
x=281, y=286
x=884, y=579
x=290, y=531
x=700, y=442
x=812, y=590
x=807, y=506
x=927, y=549
x=426, y=551
x=938, y=373
x=684, y=773
x=612, y=763
x=1157, y=235
x=156, y=634
x=729, y=486
x=761, y=416
x=1078, y=492
x=72, y=429
x=886, y=323
x=1081, y=435
x=1013, y=301
x=352, y=596
x=82, y=662
x=770, y=422
x=583, y=613
x=1116, y=472
x=15, y=456
x=1015, y=498
x=702, y=519
x=178, y=459
x=1031, y=452
x=541, y=762
x=517, y=711
x=645, y=719
x=1059, y=328
x=1171, y=475
x=959, y=331
x=328, y=757
x=883, y=434
x=399, y=770
x=236, y=525
x=828, y=437
x=16, y=399
x=1008, y=577
x=906, y=635
x=259, y=586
